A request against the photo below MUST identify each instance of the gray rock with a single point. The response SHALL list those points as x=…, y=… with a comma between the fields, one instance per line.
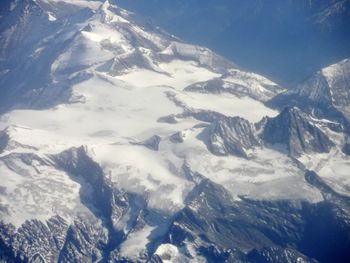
x=346, y=147
x=293, y=129
x=152, y=142
x=4, y=140
x=232, y=135
x=178, y=137
x=244, y=89
x=326, y=94
x=211, y=86
x=223, y=230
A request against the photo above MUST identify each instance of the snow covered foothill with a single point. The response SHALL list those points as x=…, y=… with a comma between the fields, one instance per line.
x=268, y=174
x=333, y=166
x=33, y=188
x=226, y=104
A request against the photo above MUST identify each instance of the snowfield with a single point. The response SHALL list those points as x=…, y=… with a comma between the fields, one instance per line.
x=116, y=77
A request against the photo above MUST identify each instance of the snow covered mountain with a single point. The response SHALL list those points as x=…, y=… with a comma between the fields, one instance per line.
x=325, y=94
x=287, y=40
x=121, y=143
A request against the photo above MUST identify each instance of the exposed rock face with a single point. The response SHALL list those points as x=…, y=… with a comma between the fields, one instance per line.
x=211, y=226
x=203, y=55
x=328, y=87
x=232, y=135
x=326, y=94
x=7, y=142
x=178, y=137
x=316, y=90
x=34, y=240
x=241, y=84
x=4, y=140
x=152, y=142
x=89, y=236
x=211, y=86
x=346, y=147
x=338, y=80
x=55, y=241
x=106, y=201
x=259, y=231
x=293, y=129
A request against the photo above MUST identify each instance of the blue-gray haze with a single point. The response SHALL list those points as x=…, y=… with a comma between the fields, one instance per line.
x=286, y=40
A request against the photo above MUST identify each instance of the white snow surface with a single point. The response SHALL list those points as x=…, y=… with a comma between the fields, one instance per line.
x=227, y=104
x=172, y=254
x=136, y=243
x=333, y=167
x=111, y=111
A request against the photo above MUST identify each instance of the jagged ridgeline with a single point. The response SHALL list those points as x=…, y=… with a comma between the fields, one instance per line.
x=121, y=143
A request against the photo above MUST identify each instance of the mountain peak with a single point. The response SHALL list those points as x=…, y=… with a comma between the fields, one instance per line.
x=232, y=135
x=329, y=86
x=295, y=130
x=325, y=94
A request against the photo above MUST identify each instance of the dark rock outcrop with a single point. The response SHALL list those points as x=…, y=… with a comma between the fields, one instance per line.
x=232, y=135
x=4, y=140
x=224, y=230
x=346, y=148
x=293, y=129
x=326, y=94
x=153, y=142
x=242, y=84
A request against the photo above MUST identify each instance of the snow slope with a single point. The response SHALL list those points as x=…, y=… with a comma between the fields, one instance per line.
x=108, y=83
